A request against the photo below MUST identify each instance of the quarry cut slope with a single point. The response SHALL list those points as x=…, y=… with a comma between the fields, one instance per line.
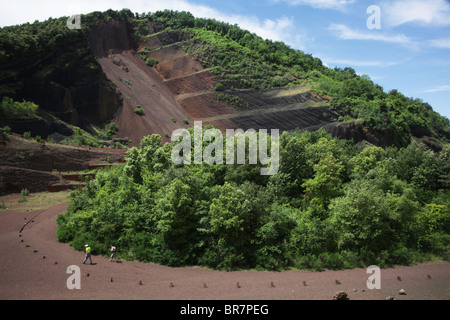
x=179, y=90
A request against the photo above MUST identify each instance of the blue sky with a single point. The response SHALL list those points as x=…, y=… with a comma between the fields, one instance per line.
x=410, y=52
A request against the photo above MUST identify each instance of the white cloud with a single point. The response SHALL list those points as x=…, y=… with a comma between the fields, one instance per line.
x=440, y=43
x=422, y=12
x=345, y=33
x=358, y=63
x=320, y=4
x=277, y=29
x=437, y=89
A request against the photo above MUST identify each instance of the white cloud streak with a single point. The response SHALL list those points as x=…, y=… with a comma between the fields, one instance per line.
x=443, y=43
x=319, y=4
x=358, y=63
x=421, y=12
x=345, y=33
x=437, y=89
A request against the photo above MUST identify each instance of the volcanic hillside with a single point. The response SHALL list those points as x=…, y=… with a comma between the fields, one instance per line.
x=154, y=73
x=179, y=88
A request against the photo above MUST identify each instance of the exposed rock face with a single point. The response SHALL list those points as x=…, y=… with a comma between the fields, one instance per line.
x=66, y=82
x=13, y=180
x=111, y=37
x=47, y=157
x=43, y=126
x=356, y=131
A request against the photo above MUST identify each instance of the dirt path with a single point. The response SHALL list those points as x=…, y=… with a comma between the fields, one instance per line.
x=27, y=275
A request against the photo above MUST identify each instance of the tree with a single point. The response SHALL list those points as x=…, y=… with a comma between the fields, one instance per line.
x=361, y=218
x=366, y=160
x=294, y=162
x=326, y=183
x=229, y=215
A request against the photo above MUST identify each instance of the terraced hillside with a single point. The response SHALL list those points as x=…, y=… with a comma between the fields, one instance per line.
x=178, y=89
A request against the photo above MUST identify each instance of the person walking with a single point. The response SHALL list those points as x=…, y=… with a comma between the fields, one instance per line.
x=88, y=254
x=113, y=250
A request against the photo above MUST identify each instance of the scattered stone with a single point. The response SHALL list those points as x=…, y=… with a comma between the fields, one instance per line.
x=304, y=283
x=237, y=285
x=88, y=275
x=363, y=290
x=428, y=276
x=399, y=278
x=337, y=281
x=112, y=280
x=56, y=262
x=354, y=290
x=205, y=285
x=402, y=292
x=341, y=295
x=390, y=298
x=21, y=240
x=271, y=284
x=43, y=257
x=171, y=285
x=35, y=251
x=140, y=282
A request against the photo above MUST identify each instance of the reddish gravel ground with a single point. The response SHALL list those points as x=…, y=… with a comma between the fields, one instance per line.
x=26, y=275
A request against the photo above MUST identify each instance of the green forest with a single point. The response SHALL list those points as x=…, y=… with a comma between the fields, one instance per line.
x=332, y=205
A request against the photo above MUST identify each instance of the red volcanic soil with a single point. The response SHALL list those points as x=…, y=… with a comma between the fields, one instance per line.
x=169, y=93
x=179, y=88
x=141, y=87
x=38, y=271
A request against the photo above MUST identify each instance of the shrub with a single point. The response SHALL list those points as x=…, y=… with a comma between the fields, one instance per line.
x=151, y=62
x=2, y=205
x=4, y=131
x=113, y=129
x=39, y=139
x=146, y=49
x=25, y=192
x=22, y=199
x=186, y=121
x=27, y=135
x=11, y=108
x=218, y=87
x=82, y=138
x=139, y=111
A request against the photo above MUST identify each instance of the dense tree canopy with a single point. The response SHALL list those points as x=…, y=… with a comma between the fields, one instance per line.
x=329, y=206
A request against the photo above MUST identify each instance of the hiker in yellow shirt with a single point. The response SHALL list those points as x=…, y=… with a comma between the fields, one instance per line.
x=88, y=254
